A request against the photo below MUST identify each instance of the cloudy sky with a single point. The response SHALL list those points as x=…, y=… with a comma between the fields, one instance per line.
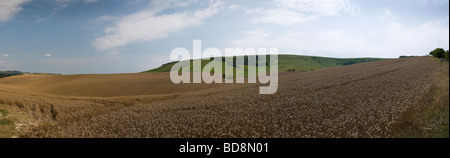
x=117, y=36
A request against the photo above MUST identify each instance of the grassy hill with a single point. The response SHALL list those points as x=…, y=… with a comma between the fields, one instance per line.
x=16, y=73
x=10, y=73
x=286, y=62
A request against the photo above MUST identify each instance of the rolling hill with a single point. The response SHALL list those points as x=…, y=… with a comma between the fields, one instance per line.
x=102, y=85
x=286, y=62
x=16, y=73
x=373, y=99
x=109, y=85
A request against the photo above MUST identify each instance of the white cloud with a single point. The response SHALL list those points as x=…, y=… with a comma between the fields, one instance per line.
x=62, y=4
x=159, y=5
x=388, y=15
x=100, y=22
x=252, y=11
x=438, y=2
x=289, y=12
x=430, y=35
x=70, y=1
x=283, y=17
x=90, y=1
x=234, y=7
x=146, y=25
x=318, y=7
x=397, y=38
x=102, y=19
x=5, y=55
x=323, y=43
x=255, y=39
x=48, y=55
x=65, y=3
x=9, y=8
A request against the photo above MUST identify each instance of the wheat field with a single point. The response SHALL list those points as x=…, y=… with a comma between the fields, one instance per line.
x=361, y=100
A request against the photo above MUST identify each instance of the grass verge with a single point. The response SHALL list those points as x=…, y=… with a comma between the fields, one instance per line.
x=6, y=124
x=437, y=113
x=430, y=119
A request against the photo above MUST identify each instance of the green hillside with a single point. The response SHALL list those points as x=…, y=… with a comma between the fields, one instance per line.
x=311, y=63
x=10, y=73
x=285, y=62
x=16, y=73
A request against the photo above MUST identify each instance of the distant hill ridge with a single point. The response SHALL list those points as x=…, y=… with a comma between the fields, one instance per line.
x=287, y=62
x=16, y=73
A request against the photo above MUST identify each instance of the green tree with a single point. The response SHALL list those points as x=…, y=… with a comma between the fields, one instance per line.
x=438, y=53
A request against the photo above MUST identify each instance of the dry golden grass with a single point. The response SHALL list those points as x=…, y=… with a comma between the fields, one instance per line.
x=104, y=85
x=45, y=112
x=49, y=101
x=362, y=100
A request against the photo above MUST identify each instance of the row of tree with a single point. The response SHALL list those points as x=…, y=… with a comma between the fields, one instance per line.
x=440, y=53
x=10, y=73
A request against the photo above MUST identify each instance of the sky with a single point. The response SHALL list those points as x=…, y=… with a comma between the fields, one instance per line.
x=117, y=36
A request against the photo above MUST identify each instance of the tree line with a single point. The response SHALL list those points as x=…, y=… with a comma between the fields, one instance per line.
x=440, y=53
x=10, y=73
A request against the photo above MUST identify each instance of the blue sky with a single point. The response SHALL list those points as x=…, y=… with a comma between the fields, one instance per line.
x=116, y=36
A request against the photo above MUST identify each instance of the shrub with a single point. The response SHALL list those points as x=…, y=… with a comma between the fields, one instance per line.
x=438, y=53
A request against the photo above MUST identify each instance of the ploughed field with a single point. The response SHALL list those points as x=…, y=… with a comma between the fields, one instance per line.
x=361, y=100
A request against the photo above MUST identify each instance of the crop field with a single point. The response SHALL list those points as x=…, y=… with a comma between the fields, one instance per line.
x=371, y=99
